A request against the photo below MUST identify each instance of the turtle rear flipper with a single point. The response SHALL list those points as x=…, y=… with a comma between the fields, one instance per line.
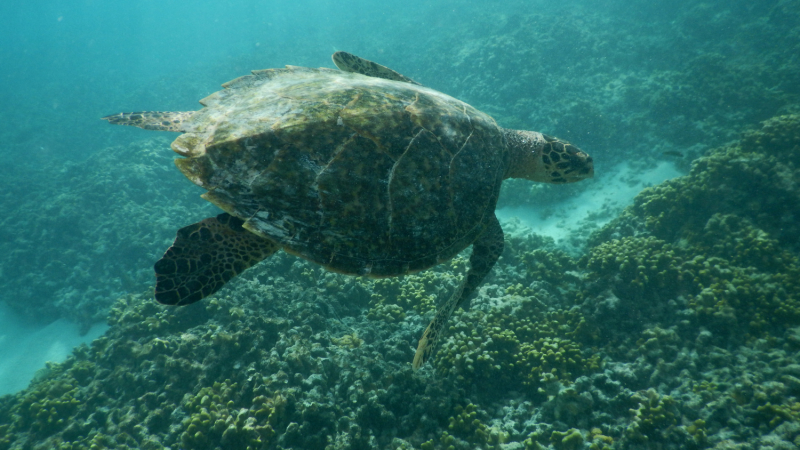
x=205, y=256
x=348, y=62
x=152, y=120
x=485, y=252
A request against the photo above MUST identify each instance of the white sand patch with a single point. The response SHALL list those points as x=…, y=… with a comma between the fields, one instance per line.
x=25, y=348
x=596, y=206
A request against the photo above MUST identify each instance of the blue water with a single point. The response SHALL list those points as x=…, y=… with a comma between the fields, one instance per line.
x=70, y=59
x=645, y=87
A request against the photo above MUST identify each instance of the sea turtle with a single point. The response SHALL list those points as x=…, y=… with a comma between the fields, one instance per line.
x=361, y=170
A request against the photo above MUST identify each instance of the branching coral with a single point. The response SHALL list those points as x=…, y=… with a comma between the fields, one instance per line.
x=221, y=415
x=653, y=418
x=517, y=345
x=733, y=275
x=418, y=292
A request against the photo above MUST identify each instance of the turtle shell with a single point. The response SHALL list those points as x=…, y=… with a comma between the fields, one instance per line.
x=362, y=175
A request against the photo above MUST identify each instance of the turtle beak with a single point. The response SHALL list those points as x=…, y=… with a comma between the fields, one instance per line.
x=564, y=162
x=581, y=165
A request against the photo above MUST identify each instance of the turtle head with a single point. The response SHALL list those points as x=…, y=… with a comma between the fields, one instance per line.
x=539, y=157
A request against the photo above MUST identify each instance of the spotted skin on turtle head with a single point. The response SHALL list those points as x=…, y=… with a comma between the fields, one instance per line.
x=565, y=162
x=205, y=256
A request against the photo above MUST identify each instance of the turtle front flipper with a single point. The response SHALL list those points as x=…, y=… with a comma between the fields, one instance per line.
x=205, y=256
x=348, y=62
x=152, y=120
x=485, y=252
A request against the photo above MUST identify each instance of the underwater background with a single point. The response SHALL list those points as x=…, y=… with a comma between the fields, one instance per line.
x=656, y=305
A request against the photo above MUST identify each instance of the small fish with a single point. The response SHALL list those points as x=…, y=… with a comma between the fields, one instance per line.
x=674, y=153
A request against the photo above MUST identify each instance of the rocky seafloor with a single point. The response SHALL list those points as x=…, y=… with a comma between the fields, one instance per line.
x=677, y=328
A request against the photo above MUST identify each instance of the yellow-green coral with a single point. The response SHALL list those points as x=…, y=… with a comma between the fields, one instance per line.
x=642, y=263
x=718, y=236
x=599, y=441
x=774, y=415
x=5, y=437
x=555, y=267
x=348, y=340
x=467, y=426
x=753, y=177
x=219, y=416
x=778, y=135
x=738, y=241
x=532, y=442
x=386, y=313
x=559, y=357
x=698, y=431
x=140, y=315
x=516, y=344
x=653, y=418
x=519, y=290
x=732, y=274
x=419, y=292
x=48, y=407
x=572, y=439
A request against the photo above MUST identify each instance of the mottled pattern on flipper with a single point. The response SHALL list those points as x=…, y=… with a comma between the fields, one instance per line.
x=152, y=120
x=351, y=63
x=485, y=252
x=205, y=256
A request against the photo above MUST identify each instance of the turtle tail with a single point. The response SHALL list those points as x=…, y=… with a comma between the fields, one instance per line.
x=152, y=120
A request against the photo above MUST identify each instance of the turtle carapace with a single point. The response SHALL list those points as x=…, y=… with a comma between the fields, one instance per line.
x=361, y=170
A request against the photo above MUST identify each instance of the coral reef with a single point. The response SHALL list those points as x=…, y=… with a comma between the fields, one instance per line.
x=88, y=232
x=518, y=339
x=679, y=326
x=417, y=292
x=659, y=336
x=221, y=415
x=725, y=250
